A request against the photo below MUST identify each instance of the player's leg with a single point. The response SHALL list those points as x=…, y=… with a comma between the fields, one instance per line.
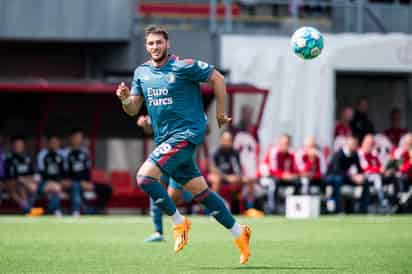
x=74, y=188
x=217, y=208
x=15, y=191
x=157, y=216
x=52, y=189
x=29, y=190
x=148, y=178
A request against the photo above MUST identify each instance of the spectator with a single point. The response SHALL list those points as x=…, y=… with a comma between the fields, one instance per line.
x=361, y=124
x=344, y=169
x=311, y=165
x=78, y=171
x=246, y=123
x=19, y=175
x=401, y=154
x=342, y=127
x=248, y=150
x=372, y=168
x=51, y=167
x=226, y=168
x=395, y=132
x=406, y=180
x=279, y=169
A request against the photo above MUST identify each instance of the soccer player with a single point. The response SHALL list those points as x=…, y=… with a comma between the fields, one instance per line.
x=19, y=175
x=51, y=167
x=78, y=167
x=171, y=90
x=174, y=190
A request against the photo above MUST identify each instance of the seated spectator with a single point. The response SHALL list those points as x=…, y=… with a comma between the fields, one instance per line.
x=311, y=166
x=344, y=169
x=361, y=124
x=19, y=176
x=50, y=164
x=225, y=167
x=78, y=171
x=401, y=153
x=342, y=127
x=279, y=169
x=406, y=180
x=371, y=167
x=395, y=131
x=248, y=150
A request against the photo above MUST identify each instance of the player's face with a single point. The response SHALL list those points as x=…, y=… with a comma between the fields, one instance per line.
x=156, y=46
x=77, y=139
x=18, y=146
x=54, y=143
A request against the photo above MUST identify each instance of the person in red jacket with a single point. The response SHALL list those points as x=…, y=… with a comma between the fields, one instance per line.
x=405, y=191
x=372, y=167
x=279, y=169
x=342, y=126
x=311, y=164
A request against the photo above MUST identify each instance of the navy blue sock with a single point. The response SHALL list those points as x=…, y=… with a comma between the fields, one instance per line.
x=158, y=193
x=216, y=207
x=156, y=214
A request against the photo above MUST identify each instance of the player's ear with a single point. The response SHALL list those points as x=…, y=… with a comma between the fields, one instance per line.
x=168, y=44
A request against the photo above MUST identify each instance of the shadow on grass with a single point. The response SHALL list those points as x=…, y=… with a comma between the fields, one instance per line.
x=265, y=267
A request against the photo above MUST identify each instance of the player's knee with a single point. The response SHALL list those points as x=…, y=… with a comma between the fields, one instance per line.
x=143, y=180
x=56, y=189
x=32, y=188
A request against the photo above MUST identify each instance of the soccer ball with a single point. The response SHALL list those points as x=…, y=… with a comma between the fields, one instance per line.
x=307, y=42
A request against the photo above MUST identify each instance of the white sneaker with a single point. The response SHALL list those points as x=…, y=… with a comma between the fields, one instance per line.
x=76, y=214
x=58, y=214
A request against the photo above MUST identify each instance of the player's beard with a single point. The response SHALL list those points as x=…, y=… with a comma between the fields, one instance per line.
x=161, y=58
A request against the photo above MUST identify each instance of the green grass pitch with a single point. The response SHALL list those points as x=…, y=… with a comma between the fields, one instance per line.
x=362, y=244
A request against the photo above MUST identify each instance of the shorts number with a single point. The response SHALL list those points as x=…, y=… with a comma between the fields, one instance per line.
x=162, y=149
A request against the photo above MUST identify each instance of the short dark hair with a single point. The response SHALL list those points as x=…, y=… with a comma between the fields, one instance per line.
x=156, y=30
x=76, y=130
x=395, y=110
x=17, y=137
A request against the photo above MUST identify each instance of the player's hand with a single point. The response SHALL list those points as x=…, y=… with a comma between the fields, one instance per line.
x=222, y=119
x=122, y=92
x=143, y=121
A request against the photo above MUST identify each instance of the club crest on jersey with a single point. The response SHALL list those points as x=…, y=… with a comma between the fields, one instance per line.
x=202, y=65
x=171, y=78
x=146, y=77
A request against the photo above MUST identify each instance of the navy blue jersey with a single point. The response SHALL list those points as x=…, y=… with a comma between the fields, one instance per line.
x=173, y=97
x=78, y=164
x=51, y=165
x=16, y=165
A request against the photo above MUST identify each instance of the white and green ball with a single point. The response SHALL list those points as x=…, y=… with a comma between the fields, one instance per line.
x=307, y=42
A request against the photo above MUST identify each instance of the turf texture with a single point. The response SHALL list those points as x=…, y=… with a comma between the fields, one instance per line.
x=341, y=244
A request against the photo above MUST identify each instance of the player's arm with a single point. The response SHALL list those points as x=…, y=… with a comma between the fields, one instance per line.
x=217, y=81
x=131, y=103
